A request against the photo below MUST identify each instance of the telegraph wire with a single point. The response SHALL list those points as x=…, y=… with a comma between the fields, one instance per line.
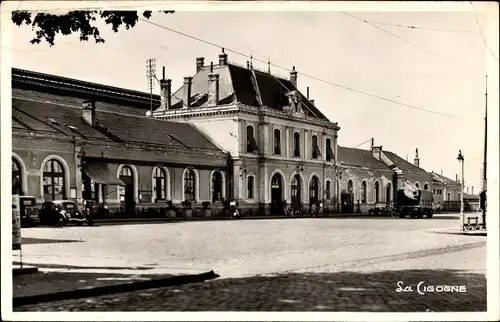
x=396, y=36
x=412, y=27
x=303, y=74
x=362, y=143
x=481, y=33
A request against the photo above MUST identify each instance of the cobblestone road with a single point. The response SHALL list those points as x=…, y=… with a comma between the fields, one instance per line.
x=312, y=265
x=343, y=291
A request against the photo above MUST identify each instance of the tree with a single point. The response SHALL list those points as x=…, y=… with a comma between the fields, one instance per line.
x=48, y=25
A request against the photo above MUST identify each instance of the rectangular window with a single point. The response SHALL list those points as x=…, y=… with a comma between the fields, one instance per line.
x=296, y=144
x=277, y=141
x=250, y=187
x=316, y=150
x=328, y=187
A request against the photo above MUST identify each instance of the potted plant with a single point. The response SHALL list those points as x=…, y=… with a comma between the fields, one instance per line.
x=188, y=211
x=171, y=210
x=207, y=211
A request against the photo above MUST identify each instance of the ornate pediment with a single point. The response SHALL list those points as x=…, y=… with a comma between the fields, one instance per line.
x=294, y=104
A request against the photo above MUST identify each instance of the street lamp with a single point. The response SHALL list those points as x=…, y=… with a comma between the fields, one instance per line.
x=460, y=158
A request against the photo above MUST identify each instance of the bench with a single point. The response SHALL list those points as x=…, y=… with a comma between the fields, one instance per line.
x=473, y=226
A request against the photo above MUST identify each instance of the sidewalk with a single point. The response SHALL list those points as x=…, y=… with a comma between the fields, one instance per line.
x=55, y=286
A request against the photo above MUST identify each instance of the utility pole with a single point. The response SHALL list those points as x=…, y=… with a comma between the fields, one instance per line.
x=150, y=75
x=485, y=150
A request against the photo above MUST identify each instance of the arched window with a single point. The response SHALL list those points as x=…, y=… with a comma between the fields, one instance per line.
x=250, y=182
x=315, y=148
x=216, y=186
x=363, y=192
x=377, y=191
x=54, y=185
x=313, y=190
x=388, y=193
x=350, y=188
x=251, y=143
x=277, y=141
x=296, y=144
x=296, y=190
x=189, y=185
x=159, y=184
x=329, y=151
x=328, y=189
x=17, y=187
x=426, y=187
x=417, y=185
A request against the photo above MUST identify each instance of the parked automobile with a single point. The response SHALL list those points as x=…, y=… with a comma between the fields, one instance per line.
x=29, y=211
x=380, y=209
x=60, y=213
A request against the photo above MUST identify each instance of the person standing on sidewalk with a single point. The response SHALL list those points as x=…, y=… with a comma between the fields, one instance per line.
x=88, y=210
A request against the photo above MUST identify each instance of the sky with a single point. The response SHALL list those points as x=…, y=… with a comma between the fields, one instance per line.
x=437, y=70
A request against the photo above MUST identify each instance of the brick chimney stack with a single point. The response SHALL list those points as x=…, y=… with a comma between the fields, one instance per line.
x=377, y=152
x=223, y=58
x=213, y=89
x=165, y=92
x=88, y=112
x=187, y=91
x=416, y=161
x=200, y=62
x=293, y=77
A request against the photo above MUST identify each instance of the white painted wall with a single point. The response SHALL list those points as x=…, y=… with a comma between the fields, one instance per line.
x=222, y=131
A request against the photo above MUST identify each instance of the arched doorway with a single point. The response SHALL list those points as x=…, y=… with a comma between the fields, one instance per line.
x=388, y=193
x=54, y=185
x=16, y=178
x=347, y=198
x=295, y=186
x=313, y=191
x=127, y=192
x=276, y=194
x=216, y=186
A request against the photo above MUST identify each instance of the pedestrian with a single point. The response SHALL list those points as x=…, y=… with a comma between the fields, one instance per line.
x=88, y=211
x=358, y=208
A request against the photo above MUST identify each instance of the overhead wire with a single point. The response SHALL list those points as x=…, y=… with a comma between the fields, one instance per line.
x=481, y=33
x=412, y=27
x=303, y=74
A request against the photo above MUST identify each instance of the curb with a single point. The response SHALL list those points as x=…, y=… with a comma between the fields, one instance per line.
x=111, y=289
x=482, y=233
x=24, y=270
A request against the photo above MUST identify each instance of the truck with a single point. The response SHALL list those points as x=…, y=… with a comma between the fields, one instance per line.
x=415, y=208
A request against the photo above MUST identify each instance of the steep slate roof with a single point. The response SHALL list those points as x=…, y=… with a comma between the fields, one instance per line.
x=53, y=113
x=446, y=180
x=360, y=158
x=235, y=84
x=403, y=164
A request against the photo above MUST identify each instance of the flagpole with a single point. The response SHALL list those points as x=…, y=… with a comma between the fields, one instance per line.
x=485, y=149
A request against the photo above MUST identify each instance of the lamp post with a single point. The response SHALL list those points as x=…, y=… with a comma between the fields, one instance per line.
x=460, y=158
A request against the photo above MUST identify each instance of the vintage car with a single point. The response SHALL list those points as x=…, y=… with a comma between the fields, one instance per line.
x=29, y=211
x=380, y=209
x=60, y=213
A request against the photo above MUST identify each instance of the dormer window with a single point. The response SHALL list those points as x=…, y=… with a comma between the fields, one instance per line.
x=296, y=144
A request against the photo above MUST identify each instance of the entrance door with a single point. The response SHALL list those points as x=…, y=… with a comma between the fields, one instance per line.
x=276, y=195
x=127, y=194
x=296, y=202
x=347, y=200
x=313, y=191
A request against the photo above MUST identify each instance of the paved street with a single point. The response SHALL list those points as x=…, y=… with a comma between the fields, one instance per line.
x=351, y=264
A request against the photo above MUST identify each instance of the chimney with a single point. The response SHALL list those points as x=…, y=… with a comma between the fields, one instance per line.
x=293, y=77
x=200, y=62
x=472, y=190
x=165, y=92
x=187, y=91
x=248, y=64
x=223, y=58
x=312, y=101
x=213, y=89
x=377, y=152
x=416, y=161
x=88, y=113
x=441, y=171
x=372, y=144
x=307, y=92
